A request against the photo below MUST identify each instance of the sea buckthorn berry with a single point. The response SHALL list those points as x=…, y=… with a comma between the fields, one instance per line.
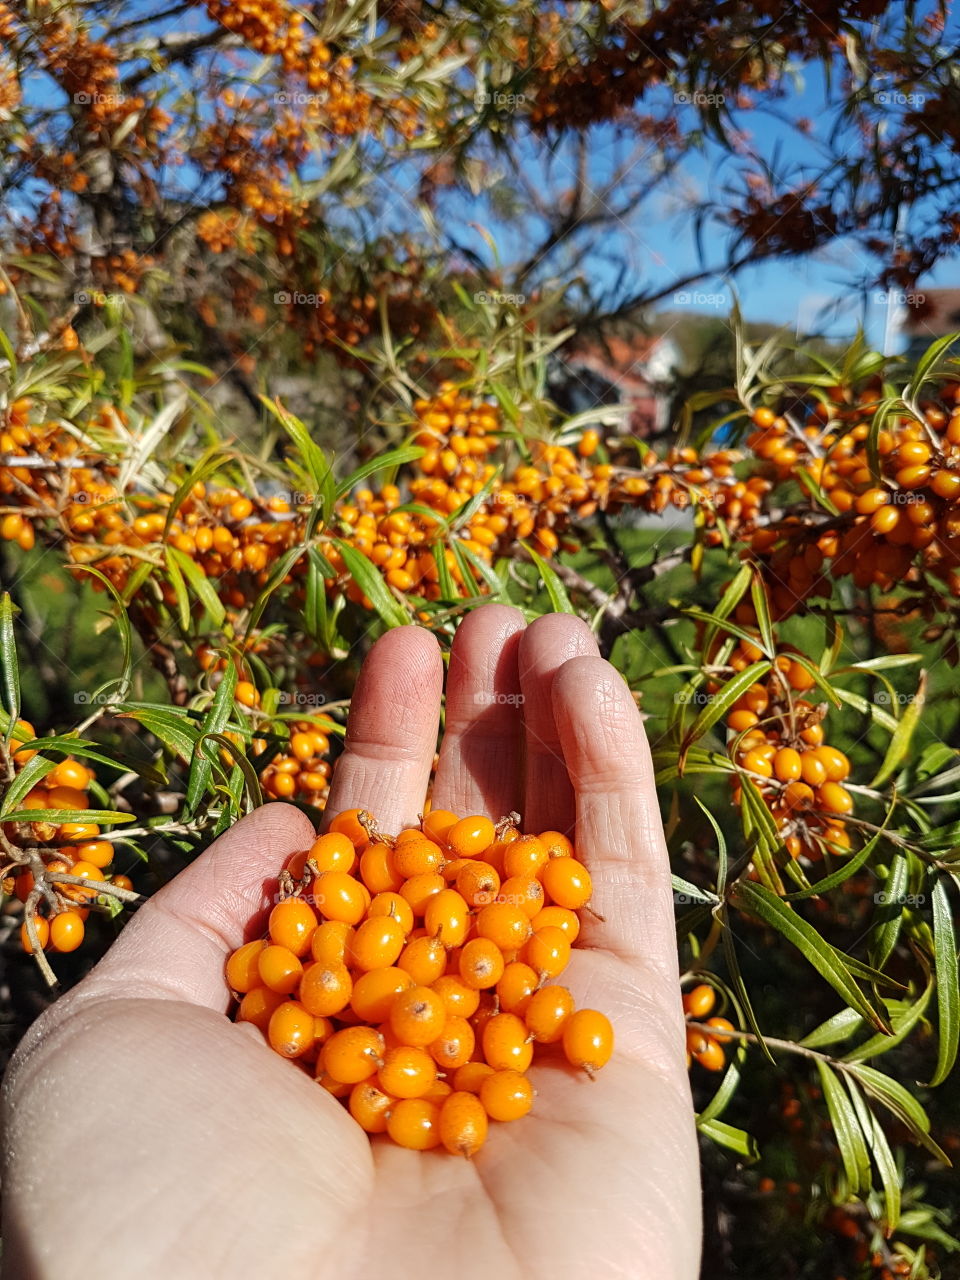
x=454, y=1045
x=463, y=1124
x=418, y=890
x=835, y=762
x=547, y=952
x=122, y=882
x=437, y=823
x=417, y=1016
x=525, y=857
x=471, y=1076
x=330, y=942
x=547, y=1012
x=787, y=764
x=710, y=1055
x=333, y=852
x=481, y=963
x=699, y=1001
x=66, y=931
x=506, y=1095
x=478, y=883
x=506, y=1043
x=517, y=984
x=347, y=824
x=812, y=769
x=561, y=918
x=447, y=917
x=290, y=1031
x=353, y=1054
x=414, y=1123
x=408, y=1071
x=457, y=997
x=756, y=762
x=325, y=990
x=470, y=836
x=336, y=1088
x=945, y=484
x=369, y=1105
x=567, y=882
x=243, y=969
x=526, y=892
x=378, y=870
x=438, y=1091
x=417, y=857
x=588, y=1040
x=374, y=992
x=721, y=1028
x=425, y=959
x=68, y=773
x=292, y=923
x=504, y=924
x=392, y=904
x=834, y=798
x=742, y=720
x=79, y=893
x=556, y=844
x=376, y=943
x=797, y=795
x=99, y=853
x=43, y=934
x=257, y=1005
x=280, y=969
x=338, y=896
x=67, y=798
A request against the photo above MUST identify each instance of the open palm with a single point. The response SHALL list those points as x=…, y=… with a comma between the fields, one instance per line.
x=146, y=1135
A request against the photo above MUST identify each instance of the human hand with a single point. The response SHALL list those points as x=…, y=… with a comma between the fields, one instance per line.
x=147, y=1135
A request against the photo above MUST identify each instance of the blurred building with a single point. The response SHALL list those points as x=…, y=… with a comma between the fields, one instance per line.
x=931, y=314
x=634, y=373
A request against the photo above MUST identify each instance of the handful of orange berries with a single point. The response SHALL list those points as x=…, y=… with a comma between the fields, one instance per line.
x=410, y=975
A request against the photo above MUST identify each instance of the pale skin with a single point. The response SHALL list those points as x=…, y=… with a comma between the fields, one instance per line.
x=147, y=1135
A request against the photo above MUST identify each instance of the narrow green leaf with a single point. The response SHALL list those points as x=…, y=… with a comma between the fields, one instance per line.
x=684, y=892
x=887, y=1168
x=925, y=366
x=103, y=817
x=177, y=732
x=948, y=984
x=251, y=782
x=555, y=589
x=844, y=872
x=761, y=604
x=780, y=916
x=215, y=721
x=903, y=1019
x=901, y=1102
x=122, y=619
x=207, y=464
x=902, y=738
x=392, y=459
x=723, y=700
x=9, y=666
x=202, y=586
x=728, y=602
x=445, y=579
x=368, y=578
x=850, y=1139
x=835, y=1030
x=24, y=782
x=737, y=982
x=179, y=589
x=889, y=916
x=725, y=1135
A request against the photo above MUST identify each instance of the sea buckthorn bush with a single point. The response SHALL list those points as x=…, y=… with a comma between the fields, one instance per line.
x=800, y=714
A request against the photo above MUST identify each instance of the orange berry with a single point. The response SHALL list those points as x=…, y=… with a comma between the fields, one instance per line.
x=835, y=762
x=517, y=984
x=720, y=1027
x=567, y=882
x=506, y=925
x=376, y=944
x=812, y=769
x=68, y=773
x=43, y=934
x=290, y=1031
x=417, y=1016
x=330, y=942
x=525, y=892
x=292, y=923
x=506, y=1095
x=506, y=1044
x=568, y=922
x=243, y=967
x=246, y=694
x=417, y=857
x=481, y=963
x=333, y=852
x=374, y=992
x=547, y=952
x=710, y=1055
x=447, y=918
x=338, y=896
x=834, y=798
x=454, y=1045
x=325, y=990
x=525, y=857
x=122, y=882
x=368, y=1105
x=787, y=764
x=797, y=795
x=740, y=721
x=66, y=931
x=471, y=1076
x=414, y=1123
x=547, y=1012
x=353, y=1054
x=408, y=1071
x=280, y=970
x=470, y=836
x=347, y=824
x=389, y=903
x=99, y=853
x=556, y=844
x=945, y=484
x=463, y=1124
x=437, y=823
x=378, y=869
x=477, y=882
x=257, y=1006
x=699, y=1001
x=424, y=959
x=418, y=890
x=457, y=997
x=587, y=1039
